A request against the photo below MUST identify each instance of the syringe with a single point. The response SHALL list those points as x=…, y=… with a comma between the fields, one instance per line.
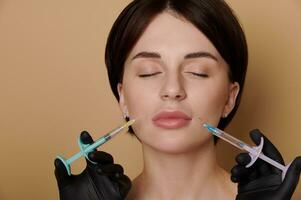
x=254, y=152
x=87, y=148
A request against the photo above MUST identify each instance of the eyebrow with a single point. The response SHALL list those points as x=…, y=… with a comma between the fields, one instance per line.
x=199, y=54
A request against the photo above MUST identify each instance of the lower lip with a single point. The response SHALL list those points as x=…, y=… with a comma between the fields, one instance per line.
x=171, y=123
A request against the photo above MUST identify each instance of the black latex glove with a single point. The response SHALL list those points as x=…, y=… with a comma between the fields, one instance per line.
x=263, y=181
x=102, y=181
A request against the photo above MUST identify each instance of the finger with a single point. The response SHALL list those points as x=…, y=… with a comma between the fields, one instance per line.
x=61, y=173
x=101, y=157
x=262, y=168
x=243, y=159
x=239, y=173
x=86, y=138
x=291, y=179
x=268, y=148
x=110, y=170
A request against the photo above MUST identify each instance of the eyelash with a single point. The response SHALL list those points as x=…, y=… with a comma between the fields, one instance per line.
x=155, y=73
x=198, y=74
x=148, y=75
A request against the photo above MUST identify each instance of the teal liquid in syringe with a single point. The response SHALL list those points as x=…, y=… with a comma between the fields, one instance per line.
x=87, y=148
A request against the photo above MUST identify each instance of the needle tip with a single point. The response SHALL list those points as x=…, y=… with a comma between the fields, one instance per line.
x=210, y=128
x=129, y=123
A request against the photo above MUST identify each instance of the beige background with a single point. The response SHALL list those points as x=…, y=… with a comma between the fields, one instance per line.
x=53, y=85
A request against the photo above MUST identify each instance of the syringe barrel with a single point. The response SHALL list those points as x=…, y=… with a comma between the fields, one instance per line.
x=74, y=157
x=232, y=140
x=103, y=139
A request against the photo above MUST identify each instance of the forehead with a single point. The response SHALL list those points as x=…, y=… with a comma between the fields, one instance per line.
x=168, y=33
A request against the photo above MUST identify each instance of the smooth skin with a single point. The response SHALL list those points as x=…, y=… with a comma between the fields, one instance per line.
x=174, y=67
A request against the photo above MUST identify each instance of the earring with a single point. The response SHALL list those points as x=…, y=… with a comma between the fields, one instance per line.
x=125, y=113
x=225, y=115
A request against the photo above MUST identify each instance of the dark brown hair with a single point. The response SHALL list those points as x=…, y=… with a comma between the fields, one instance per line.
x=214, y=18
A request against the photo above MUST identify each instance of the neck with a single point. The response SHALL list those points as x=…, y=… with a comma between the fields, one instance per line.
x=188, y=175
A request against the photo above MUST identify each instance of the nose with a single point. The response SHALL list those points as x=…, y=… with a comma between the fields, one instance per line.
x=173, y=88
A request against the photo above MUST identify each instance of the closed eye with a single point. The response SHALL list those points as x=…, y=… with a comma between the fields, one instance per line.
x=148, y=75
x=198, y=74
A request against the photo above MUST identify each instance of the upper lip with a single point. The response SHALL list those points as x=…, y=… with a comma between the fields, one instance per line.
x=171, y=115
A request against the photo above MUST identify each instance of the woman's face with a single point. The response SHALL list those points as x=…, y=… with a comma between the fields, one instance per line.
x=174, y=81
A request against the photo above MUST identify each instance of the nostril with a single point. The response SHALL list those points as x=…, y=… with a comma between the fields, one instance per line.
x=175, y=95
x=165, y=96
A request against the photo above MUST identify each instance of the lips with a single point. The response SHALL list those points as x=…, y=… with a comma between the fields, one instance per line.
x=171, y=119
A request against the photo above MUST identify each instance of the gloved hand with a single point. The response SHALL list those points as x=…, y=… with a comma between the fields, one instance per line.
x=263, y=181
x=102, y=181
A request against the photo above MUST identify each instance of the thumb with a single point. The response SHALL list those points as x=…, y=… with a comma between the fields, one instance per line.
x=86, y=138
x=291, y=179
x=61, y=173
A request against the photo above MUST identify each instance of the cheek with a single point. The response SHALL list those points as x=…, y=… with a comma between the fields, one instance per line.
x=209, y=101
x=141, y=104
x=140, y=99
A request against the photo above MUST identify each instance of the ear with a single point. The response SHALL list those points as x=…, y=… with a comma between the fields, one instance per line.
x=232, y=95
x=121, y=102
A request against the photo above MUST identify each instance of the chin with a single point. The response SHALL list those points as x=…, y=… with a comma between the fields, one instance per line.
x=178, y=145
